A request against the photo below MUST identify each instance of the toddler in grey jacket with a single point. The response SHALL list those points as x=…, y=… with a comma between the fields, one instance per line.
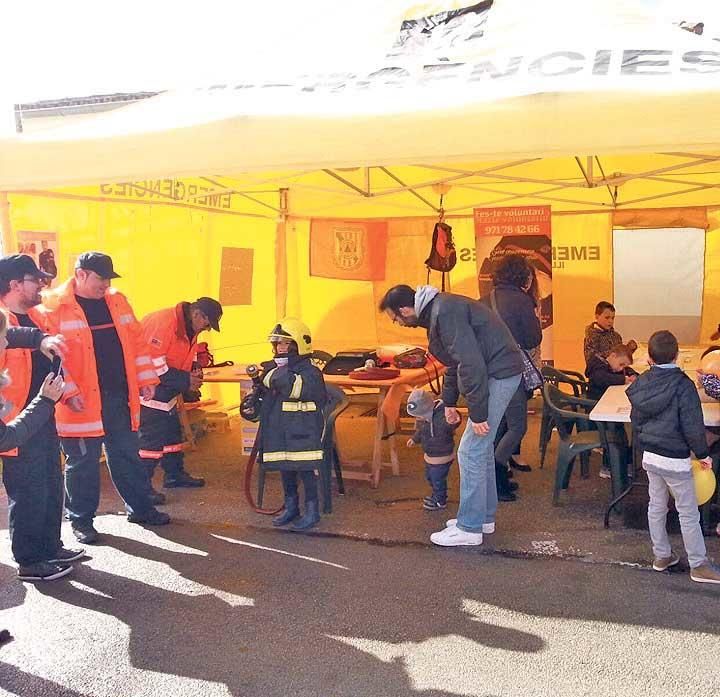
x=437, y=438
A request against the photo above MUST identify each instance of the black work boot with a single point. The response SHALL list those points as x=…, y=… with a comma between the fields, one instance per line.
x=152, y=517
x=505, y=488
x=289, y=514
x=182, y=479
x=310, y=518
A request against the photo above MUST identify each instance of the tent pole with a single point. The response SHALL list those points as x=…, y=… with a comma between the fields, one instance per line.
x=7, y=238
x=281, y=265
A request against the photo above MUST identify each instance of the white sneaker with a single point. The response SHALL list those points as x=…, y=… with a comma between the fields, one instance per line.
x=488, y=528
x=455, y=537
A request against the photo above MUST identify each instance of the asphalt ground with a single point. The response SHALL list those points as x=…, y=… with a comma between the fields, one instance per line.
x=219, y=603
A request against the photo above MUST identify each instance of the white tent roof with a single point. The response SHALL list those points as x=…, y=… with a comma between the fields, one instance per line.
x=503, y=81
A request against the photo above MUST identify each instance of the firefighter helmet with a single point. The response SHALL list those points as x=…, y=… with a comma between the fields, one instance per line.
x=294, y=329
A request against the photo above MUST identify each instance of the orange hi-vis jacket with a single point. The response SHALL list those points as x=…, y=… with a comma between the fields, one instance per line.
x=165, y=334
x=170, y=349
x=65, y=316
x=18, y=363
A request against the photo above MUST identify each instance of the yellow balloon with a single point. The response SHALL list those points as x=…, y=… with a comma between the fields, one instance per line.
x=704, y=482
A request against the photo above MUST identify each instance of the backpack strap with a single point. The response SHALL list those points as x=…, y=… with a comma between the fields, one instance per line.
x=493, y=302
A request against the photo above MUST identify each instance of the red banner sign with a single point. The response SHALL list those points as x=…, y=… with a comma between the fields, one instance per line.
x=512, y=220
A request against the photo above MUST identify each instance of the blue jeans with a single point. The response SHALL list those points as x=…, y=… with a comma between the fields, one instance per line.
x=436, y=476
x=476, y=457
x=82, y=465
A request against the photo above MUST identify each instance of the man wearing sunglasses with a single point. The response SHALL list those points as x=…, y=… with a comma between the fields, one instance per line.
x=31, y=472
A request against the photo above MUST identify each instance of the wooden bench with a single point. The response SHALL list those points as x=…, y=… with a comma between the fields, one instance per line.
x=183, y=408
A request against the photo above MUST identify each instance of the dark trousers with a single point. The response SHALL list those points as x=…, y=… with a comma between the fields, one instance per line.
x=309, y=480
x=33, y=481
x=436, y=476
x=507, y=441
x=161, y=441
x=82, y=466
x=501, y=432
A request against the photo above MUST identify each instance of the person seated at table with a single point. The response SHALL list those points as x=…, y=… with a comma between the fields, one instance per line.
x=601, y=374
x=437, y=438
x=600, y=336
x=668, y=419
x=291, y=420
x=613, y=369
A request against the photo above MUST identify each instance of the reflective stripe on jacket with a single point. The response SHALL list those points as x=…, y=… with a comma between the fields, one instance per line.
x=165, y=334
x=292, y=417
x=63, y=315
x=172, y=353
x=18, y=363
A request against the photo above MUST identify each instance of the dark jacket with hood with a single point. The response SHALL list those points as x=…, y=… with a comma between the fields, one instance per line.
x=474, y=344
x=666, y=413
x=601, y=376
x=436, y=435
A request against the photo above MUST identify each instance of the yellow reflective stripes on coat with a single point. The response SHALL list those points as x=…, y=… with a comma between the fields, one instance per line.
x=296, y=388
x=143, y=360
x=268, y=377
x=148, y=375
x=293, y=456
x=299, y=406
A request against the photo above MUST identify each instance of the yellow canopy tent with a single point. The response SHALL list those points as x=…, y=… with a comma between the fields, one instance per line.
x=608, y=112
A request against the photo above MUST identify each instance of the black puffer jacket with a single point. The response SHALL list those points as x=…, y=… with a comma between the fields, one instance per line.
x=667, y=414
x=475, y=344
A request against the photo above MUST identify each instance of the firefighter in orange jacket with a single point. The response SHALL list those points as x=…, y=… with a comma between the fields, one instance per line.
x=111, y=365
x=171, y=335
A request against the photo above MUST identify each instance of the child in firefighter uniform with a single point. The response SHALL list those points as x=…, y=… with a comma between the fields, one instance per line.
x=292, y=421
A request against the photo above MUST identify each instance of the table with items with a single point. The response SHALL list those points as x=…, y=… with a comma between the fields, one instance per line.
x=389, y=401
x=614, y=407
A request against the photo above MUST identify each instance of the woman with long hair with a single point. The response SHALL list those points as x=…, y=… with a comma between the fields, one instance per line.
x=512, y=298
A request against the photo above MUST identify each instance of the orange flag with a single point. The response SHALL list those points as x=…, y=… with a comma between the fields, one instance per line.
x=349, y=249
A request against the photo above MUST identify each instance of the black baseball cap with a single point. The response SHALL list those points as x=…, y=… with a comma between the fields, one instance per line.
x=16, y=266
x=98, y=262
x=212, y=309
